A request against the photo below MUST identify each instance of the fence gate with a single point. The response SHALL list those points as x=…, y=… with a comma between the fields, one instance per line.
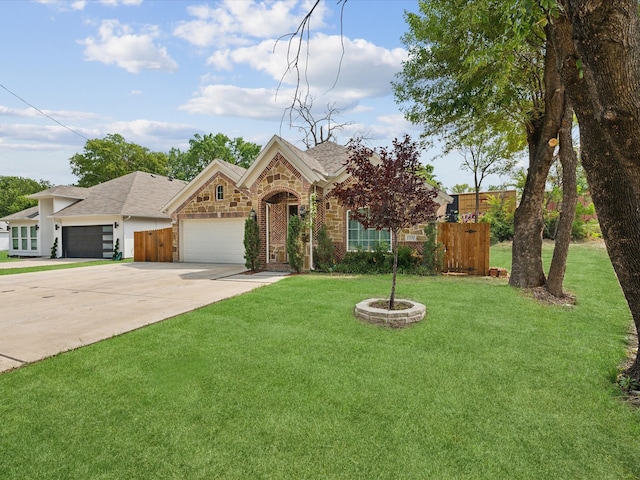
x=153, y=245
x=466, y=247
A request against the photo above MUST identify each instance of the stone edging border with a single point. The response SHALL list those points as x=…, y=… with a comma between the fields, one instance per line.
x=394, y=318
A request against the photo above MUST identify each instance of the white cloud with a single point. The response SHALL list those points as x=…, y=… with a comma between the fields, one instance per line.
x=232, y=22
x=80, y=5
x=59, y=115
x=41, y=133
x=118, y=45
x=233, y=101
x=365, y=70
x=152, y=134
x=115, y=3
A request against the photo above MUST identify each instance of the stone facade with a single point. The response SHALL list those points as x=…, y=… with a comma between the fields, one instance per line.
x=204, y=204
x=274, y=188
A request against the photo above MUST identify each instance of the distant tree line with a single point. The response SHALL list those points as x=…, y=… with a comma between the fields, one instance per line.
x=110, y=157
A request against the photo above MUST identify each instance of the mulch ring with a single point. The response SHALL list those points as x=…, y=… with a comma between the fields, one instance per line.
x=543, y=296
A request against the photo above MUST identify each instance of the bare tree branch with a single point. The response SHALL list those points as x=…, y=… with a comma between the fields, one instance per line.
x=296, y=40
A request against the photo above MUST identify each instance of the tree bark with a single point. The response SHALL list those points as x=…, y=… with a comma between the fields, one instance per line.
x=600, y=42
x=392, y=297
x=569, y=162
x=526, y=269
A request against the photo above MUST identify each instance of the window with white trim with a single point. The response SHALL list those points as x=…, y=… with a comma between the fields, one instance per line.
x=219, y=192
x=359, y=238
x=24, y=238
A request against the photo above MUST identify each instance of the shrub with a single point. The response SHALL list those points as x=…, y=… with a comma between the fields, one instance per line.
x=54, y=249
x=500, y=218
x=116, y=251
x=251, y=244
x=295, y=249
x=323, y=257
x=380, y=261
x=433, y=251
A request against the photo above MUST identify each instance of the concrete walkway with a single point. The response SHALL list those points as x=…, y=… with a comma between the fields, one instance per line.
x=45, y=313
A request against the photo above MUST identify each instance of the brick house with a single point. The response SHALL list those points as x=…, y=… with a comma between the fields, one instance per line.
x=208, y=215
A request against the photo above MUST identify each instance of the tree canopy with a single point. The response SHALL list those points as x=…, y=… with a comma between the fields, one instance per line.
x=203, y=149
x=14, y=191
x=111, y=157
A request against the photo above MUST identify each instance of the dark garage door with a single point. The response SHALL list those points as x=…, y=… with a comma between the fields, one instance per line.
x=93, y=241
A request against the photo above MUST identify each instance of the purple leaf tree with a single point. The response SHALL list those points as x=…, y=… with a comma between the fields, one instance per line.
x=384, y=191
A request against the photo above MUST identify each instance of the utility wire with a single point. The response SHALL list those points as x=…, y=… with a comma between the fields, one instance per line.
x=42, y=113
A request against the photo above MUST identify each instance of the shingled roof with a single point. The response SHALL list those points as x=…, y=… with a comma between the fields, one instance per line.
x=330, y=155
x=28, y=214
x=137, y=194
x=67, y=191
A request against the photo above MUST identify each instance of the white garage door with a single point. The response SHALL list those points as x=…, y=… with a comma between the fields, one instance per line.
x=216, y=240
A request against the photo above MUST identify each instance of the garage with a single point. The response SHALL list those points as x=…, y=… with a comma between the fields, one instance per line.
x=91, y=241
x=214, y=240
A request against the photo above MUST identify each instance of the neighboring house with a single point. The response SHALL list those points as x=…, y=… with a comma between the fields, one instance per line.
x=463, y=205
x=209, y=214
x=4, y=236
x=87, y=222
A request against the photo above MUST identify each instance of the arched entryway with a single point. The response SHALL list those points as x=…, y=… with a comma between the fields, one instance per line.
x=277, y=207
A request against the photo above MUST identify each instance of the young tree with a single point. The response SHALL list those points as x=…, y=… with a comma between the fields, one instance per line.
x=111, y=157
x=251, y=243
x=483, y=155
x=387, y=194
x=295, y=247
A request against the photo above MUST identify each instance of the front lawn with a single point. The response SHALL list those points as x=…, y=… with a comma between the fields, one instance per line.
x=283, y=382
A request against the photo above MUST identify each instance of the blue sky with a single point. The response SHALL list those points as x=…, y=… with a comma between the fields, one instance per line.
x=160, y=71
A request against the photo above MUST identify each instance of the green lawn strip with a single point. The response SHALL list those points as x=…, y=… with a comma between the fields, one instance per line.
x=283, y=382
x=61, y=266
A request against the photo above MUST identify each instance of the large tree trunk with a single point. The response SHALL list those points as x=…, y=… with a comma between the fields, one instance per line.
x=526, y=268
x=605, y=92
x=569, y=162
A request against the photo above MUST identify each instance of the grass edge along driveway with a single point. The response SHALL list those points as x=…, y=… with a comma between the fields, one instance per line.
x=283, y=382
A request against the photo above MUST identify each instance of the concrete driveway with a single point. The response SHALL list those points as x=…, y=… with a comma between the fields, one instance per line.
x=44, y=313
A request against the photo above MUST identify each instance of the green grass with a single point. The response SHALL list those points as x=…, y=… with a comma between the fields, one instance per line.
x=61, y=266
x=283, y=382
x=4, y=257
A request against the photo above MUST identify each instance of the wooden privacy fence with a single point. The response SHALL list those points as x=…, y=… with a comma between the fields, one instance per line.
x=466, y=247
x=153, y=245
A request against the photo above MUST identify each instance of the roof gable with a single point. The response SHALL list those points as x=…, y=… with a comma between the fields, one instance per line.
x=308, y=166
x=234, y=172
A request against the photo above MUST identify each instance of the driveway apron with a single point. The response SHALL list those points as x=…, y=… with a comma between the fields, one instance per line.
x=45, y=313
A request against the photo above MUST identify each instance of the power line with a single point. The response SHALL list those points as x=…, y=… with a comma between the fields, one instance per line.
x=42, y=113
